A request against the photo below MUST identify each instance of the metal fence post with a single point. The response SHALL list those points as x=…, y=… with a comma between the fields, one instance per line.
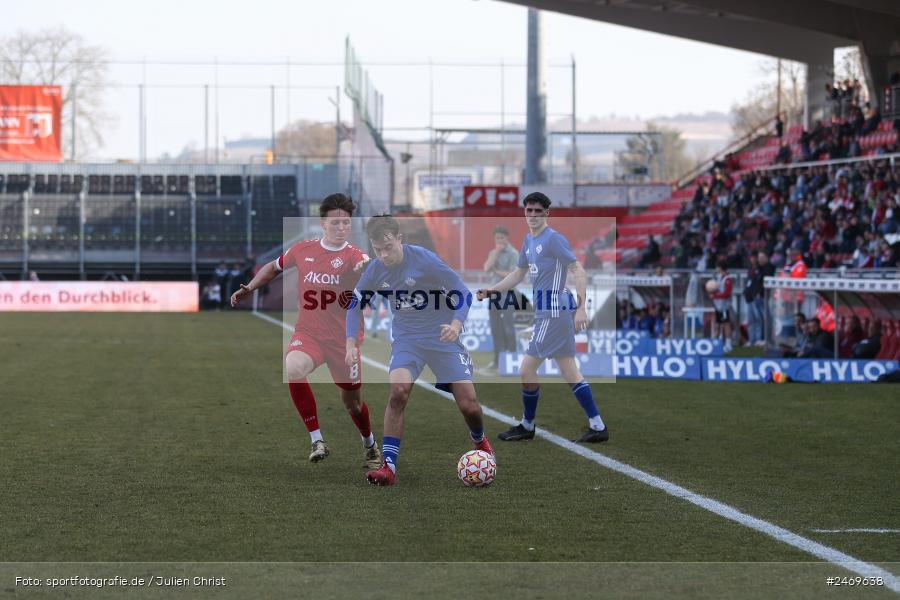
x=137, y=234
x=193, y=201
x=81, y=216
x=26, y=223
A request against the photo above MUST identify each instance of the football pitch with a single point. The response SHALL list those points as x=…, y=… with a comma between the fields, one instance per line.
x=167, y=445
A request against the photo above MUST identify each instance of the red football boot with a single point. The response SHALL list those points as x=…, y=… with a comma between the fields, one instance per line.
x=382, y=476
x=485, y=446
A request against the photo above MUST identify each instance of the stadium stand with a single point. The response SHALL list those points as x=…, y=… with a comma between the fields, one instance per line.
x=840, y=214
x=86, y=221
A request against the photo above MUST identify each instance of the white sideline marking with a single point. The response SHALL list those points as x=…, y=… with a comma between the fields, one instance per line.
x=856, y=530
x=816, y=549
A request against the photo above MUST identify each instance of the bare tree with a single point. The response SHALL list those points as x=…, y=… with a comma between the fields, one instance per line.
x=660, y=155
x=306, y=138
x=762, y=103
x=62, y=57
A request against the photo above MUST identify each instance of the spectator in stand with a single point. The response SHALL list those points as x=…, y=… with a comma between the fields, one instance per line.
x=788, y=351
x=850, y=338
x=862, y=259
x=651, y=254
x=721, y=298
x=592, y=253
x=871, y=345
x=235, y=278
x=211, y=297
x=665, y=322
x=779, y=127
x=784, y=154
x=873, y=118
x=647, y=320
x=628, y=318
x=220, y=275
x=819, y=343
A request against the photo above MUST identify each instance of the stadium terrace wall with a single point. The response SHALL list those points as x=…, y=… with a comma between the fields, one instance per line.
x=147, y=221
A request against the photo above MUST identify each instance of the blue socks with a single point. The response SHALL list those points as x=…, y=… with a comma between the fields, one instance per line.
x=585, y=398
x=476, y=434
x=530, y=401
x=390, y=448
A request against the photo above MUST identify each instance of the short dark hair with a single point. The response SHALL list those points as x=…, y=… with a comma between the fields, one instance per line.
x=501, y=230
x=537, y=198
x=800, y=316
x=381, y=226
x=722, y=264
x=336, y=201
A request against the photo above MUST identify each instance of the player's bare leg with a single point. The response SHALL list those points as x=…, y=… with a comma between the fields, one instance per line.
x=467, y=401
x=359, y=412
x=299, y=365
x=597, y=430
x=531, y=391
x=401, y=382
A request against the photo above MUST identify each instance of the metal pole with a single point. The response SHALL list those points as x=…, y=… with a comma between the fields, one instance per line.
x=137, y=235
x=74, y=115
x=502, y=122
x=778, y=99
x=216, y=107
x=836, y=329
x=287, y=91
x=81, y=196
x=574, y=139
x=536, y=103
x=337, y=125
x=141, y=122
x=433, y=149
x=26, y=222
x=194, y=235
x=144, y=113
x=272, y=113
x=206, y=123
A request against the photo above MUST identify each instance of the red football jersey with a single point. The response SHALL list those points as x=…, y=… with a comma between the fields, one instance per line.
x=325, y=282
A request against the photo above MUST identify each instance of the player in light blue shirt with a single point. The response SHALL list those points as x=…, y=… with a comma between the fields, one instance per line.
x=547, y=257
x=429, y=303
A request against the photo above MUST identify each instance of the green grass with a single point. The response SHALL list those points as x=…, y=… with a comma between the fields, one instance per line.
x=145, y=438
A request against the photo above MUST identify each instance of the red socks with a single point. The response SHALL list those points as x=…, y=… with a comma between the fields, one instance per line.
x=305, y=403
x=362, y=421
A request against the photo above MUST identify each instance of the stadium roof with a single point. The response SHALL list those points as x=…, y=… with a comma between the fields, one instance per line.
x=789, y=29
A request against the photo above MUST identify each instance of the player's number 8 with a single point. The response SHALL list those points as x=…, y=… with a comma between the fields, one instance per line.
x=354, y=371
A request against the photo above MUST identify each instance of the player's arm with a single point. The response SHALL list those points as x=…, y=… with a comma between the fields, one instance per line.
x=514, y=278
x=491, y=260
x=580, y=277
x=451, y=280
x=263, y=276
x=362, y=297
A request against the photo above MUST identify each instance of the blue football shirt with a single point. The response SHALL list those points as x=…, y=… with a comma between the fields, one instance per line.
x=548, y=257
x=422, y=291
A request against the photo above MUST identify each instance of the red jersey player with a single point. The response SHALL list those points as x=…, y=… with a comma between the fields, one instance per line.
x=327, y=271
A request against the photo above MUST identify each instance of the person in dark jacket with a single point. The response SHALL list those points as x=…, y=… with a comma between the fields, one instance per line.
x=871, y=346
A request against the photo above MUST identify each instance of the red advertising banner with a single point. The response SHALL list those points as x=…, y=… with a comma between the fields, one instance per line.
x=30, y=121
x=98, y=296
x=491, y=195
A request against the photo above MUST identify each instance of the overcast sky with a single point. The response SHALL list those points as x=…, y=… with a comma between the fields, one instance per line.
x=619, y=70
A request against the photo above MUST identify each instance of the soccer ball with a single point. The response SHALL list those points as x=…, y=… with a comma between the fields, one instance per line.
x=712, y=286
x=476, y=468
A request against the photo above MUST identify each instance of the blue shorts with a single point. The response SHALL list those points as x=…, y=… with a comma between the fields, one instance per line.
x=553, y=337
x=449, y=362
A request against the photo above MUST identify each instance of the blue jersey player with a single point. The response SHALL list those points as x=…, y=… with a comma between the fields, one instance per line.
x=429, y=303
x=548, y=259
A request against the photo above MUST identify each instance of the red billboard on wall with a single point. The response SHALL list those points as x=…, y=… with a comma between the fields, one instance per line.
x=30, y=119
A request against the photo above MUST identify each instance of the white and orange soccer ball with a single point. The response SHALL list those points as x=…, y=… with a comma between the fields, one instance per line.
x=476, y=468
